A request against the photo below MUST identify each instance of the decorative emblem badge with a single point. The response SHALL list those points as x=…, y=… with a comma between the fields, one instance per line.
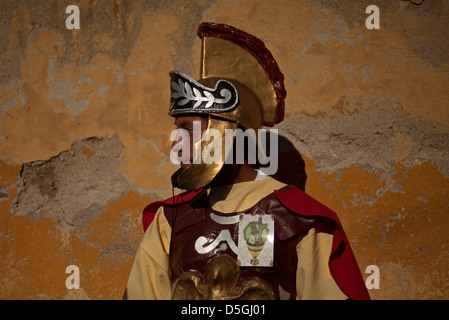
x=256, y=240
x=189, y=96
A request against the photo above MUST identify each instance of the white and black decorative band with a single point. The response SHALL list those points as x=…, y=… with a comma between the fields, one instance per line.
x=189, y=96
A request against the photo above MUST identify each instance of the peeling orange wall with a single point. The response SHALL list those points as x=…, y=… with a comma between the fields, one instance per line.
x=84, y=131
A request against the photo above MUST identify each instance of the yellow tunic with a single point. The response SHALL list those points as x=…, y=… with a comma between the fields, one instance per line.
x=149, y=277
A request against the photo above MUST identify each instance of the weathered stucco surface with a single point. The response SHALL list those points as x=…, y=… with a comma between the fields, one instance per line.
x=84, y=131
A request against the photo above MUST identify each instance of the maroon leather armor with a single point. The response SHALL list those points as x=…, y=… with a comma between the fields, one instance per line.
x=194, y=268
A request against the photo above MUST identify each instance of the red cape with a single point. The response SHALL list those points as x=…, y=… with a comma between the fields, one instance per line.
x=342, y=263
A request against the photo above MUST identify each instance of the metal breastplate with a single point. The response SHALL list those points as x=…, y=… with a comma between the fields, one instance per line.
x=203, y=258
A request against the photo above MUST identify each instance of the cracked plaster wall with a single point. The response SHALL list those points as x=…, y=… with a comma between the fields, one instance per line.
x=84, y=131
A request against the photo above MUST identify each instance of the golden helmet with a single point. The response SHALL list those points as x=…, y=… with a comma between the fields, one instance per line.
x=240, y=85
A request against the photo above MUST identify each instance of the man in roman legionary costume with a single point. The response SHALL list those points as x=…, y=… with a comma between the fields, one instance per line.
x=236, y=233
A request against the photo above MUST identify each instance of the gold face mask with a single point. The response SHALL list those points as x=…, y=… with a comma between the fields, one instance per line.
x=213, y=153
